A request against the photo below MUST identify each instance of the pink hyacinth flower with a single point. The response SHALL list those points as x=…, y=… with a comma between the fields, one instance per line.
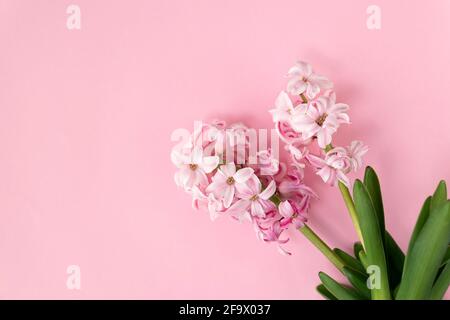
x=292, y=184
x=302, y=79
x=294, y=212
x=283, y=108
x=333, y=167
x=287, y=134
x=267, y=165
x=252, y=198
x=273, y=234
x=321, y=119
x=215, y=207
x=224, y=182
x=193, y=168
x=355, y=151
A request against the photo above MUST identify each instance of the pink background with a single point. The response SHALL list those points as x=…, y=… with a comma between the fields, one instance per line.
x=86, y=118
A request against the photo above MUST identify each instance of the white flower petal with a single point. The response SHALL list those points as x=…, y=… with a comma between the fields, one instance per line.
x=196, y=155
x=208, y=164
x=283, y=102
x=312, y=90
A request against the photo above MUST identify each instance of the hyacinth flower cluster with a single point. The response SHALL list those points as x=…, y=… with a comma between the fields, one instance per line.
x=306, y=117
x=220, y=167
x=307, y=114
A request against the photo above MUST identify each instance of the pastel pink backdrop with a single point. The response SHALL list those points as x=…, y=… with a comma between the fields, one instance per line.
x=86, y=118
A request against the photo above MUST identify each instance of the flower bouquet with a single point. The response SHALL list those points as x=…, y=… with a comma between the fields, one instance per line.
x=227, y=170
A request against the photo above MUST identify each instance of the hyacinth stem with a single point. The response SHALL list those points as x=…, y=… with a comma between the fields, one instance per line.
x=349, y=203
x=322, y=246
x=351, y=209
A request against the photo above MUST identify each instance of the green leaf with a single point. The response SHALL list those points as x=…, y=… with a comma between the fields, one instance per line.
x=373, y=188
x=358, y=281
x=357, y=247
x=373, y=240
x=439, y=196
x=446, y=257
x=363, y=258
x=394, y=255
x=324, y=292
x=425, y=257
x=396, y=290
x=442, y=283
x=349, y=261
x=395, y=260
x=336, y=289
x=423, y=217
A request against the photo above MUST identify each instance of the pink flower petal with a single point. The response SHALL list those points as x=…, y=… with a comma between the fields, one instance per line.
x=242, y=175
x=257, y=209
x=283, y=102
x=228, y=196
x=325, y=173
x=197, y=155
x=312, y=90
x=300, y=69
x=296, y=86
x=239, y=207
x=269, y=191
x=286, y=209
x=209, y=163
x=228, y=169
x=321, y=81
x=323, y=138
x=283, y=251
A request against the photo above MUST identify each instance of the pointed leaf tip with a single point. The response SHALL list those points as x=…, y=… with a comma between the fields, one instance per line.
x=439, y=196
